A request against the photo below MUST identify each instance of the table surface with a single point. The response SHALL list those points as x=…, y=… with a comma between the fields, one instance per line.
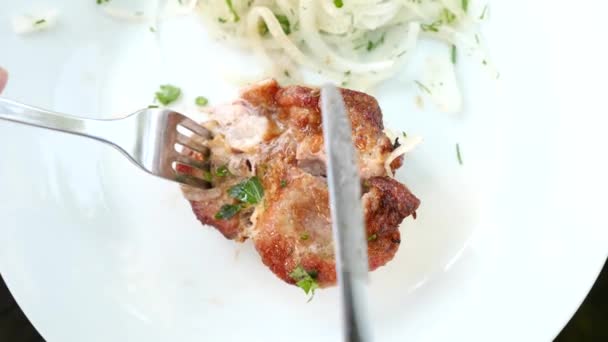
x=590, y=323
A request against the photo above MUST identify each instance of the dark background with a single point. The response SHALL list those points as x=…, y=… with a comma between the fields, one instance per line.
x=590, y=323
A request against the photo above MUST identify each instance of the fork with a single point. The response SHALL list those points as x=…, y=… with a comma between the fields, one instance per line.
x=149, y=137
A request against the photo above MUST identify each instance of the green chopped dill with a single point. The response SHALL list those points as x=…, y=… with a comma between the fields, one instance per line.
x=284, y=21
x=168, y=94
x=484, y=12
x=227, y=211
x=304, y=236
x=484, y=62
x=222, y=171
x=372, y=45
x=152, y=106
x=433, y=27
x=152, y=29
x=373, y=237
x=201, y=101
x=286, y=73
x=404, y=134
x=458, y=154
x=477, y=38
x=222, y=20
x=305, y=280
x=41, y=21
x=283, y=183
x=338, y=3
x=235, y=15
x=454, y=54
x=465, y=5
x=447, y=16
x=347, y=73
x=99, y=2
x=423, y=87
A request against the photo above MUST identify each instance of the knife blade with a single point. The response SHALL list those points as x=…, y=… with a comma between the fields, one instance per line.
x=350, y=242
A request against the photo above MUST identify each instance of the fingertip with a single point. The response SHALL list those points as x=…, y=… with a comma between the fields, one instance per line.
x=3, y=79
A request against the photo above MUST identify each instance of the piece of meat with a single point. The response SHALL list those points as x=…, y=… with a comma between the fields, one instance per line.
x=275, y=134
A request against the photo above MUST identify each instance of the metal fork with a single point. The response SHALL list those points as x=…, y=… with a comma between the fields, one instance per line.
x=148, y=137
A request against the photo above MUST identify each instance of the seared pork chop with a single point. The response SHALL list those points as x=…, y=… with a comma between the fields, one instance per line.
x=268, y=179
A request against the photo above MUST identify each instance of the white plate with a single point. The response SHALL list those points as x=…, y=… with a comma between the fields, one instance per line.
x=505, y=247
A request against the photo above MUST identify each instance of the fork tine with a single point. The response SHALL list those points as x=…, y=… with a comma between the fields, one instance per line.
x=185, y=160
x=192, y=181
x=190, y=143
x=195, y=128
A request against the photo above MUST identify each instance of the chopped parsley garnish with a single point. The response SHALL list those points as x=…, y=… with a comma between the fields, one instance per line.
x=305, y=280
x=465, y=5
x=227, y=211
x=338, y=3
x=222, y=20
x=423, y=87
x=372, y=45
x=458, y=154
x=283, y=183
x=152, y=106
x=484, y=12
x=99, y=2
x=433, y=27
x=207, y=176
x=41, y=21
x=304, y=236
x=286, y=73
x=404, y=134
x=284, y=21
x=372, y=237
x=201, y=101
x=168, y=94
x=249, y=191
x=454, y=54
x=222, y=171
x=235, y=15
x=447, y=16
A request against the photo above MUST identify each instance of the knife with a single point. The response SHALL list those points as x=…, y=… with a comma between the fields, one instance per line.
x=350, y=240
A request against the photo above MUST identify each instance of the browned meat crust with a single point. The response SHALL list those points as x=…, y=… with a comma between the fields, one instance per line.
x=292, y=226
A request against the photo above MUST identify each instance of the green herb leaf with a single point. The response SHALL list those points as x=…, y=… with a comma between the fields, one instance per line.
x=227, y=211
x=305, y=280
x=433, y=27
x=338, y=3
x=235, y=15
x=304, y=236
x=201, y=101
x=222, y=20
x=447, y=16
x=484, y=12
x=372, y=237
x=284, y=21
x=168, y=94
x=41, y=21
x=404, y=134
x=454, y=54
x=283, y=183
x=152, y=29
x=458, y=154
x=99, y=2
x=423, y=87
x=222, y=171
x=249, y=191
x=152, y=106
x=372, y=45
x=465, y=5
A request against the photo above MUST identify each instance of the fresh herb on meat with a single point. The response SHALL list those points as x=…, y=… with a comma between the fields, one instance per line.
x=249, y=191
x=227, y=211
x=305, y=280
x=222, y=171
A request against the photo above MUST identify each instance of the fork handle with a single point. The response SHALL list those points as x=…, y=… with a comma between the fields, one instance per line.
x=101, y=130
